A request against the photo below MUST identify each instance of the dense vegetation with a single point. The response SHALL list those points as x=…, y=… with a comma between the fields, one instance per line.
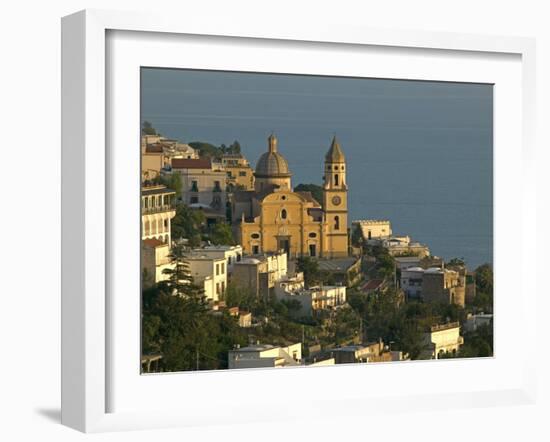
x=212, y=151
x=148, y=129
x=316, y=191
x=191, y=224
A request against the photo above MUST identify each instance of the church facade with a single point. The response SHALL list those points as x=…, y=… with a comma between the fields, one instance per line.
x=273, y=217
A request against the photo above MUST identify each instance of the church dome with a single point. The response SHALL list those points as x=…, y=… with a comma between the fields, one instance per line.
x=272, y=163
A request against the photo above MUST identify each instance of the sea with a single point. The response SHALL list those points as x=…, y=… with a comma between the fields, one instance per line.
x=418, y=153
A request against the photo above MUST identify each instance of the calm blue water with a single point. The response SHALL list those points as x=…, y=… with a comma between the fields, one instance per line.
x=418, y=153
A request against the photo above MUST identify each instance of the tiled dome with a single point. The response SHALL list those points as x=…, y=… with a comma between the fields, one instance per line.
x=272, y=163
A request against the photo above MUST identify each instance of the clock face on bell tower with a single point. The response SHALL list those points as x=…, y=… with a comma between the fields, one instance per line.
x=336, y=200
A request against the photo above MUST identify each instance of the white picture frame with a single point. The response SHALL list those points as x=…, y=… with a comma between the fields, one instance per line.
x=87, y=353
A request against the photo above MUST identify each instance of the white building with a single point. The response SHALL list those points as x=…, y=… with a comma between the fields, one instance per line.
x=441, y=339
x=374, y=228
x=473, y=322
x=157, y=209
x=210, y=273
x=231, y=254
x=264, y=355
x=289, y=285
x=154, y=260
x=314, y=299
x=411, y=282
x=403, y=245
x=259, y=273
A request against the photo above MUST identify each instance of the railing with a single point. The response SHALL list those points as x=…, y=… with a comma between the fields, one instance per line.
x=158, y=209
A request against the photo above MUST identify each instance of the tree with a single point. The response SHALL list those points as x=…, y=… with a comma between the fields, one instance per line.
x=174, y=183
x=310, y=268
x=484, y=278
x=484, y=288
x=240, y=297
x=235, y=147
x=180, y=281
x=188, y=223
x=221, y=234
x=456, y=262
x=206, y=149
x=148, y=129
x=357, y=236
x=316, y=191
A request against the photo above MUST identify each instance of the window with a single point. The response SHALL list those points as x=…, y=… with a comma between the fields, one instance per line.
x=283, y=214
x=229, y=260
x=217, y=187
x=147, y=228
x=194, y=200
x=336, y=180
x=336, y=223
x=312, y=250
x=223, y=287
x=255, y=236
x=217, y=269
x=255, y=250
x=165, y=224
x=313, y=235
x=242, y=173
x=238, y=257
x=222, y=268
x=194, y=186
x=218, y=288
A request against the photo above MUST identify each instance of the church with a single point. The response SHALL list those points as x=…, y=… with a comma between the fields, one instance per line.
x=273, y=217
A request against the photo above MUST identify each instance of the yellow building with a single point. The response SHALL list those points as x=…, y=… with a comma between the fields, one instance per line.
x=273, y=217
x=239, y=173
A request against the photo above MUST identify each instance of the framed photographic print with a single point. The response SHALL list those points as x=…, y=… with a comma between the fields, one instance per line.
x=290, y=223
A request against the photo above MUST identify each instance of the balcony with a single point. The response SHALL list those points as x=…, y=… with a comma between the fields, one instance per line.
x=158, y=209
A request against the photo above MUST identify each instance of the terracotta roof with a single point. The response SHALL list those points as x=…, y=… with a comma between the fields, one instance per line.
x=190, y=163
x=154, y=148
x=152, y=242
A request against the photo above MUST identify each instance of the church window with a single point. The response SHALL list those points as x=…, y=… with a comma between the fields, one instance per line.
x=255, y=235
x=283, y=197
x=313, y=235
x=336, y=223
x=335, y=167
x=336, y=180
x=283, y=214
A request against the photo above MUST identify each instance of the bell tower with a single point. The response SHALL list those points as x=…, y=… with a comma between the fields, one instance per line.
x=335, y=201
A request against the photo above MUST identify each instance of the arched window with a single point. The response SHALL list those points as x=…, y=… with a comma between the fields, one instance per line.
x=336, y=180
x=337, y=223
x=283, y=214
